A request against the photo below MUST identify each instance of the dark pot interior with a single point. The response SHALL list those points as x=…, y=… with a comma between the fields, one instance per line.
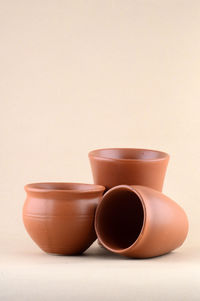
x=119, y=218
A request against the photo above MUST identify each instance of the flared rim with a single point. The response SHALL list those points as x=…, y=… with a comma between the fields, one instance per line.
x=97, y=153
x=136, y=242
x=63, y=187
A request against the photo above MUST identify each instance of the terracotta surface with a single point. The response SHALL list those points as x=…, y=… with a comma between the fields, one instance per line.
x=115, y=166
x=140, y=222
x=59, y=217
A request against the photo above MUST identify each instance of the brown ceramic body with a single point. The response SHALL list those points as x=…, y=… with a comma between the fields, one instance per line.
x=131, y=166
x=140, y=222
x=59, y=217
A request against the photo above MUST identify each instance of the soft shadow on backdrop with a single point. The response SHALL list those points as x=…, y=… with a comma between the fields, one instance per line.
x=79, y=75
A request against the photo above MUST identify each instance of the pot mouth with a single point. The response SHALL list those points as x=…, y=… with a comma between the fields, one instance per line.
x=63, y=187
x=120, y=219
x=128, y=154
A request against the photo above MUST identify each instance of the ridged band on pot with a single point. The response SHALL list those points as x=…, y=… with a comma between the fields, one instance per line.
x=140, y=222
x=59, y=217
x=131, y=166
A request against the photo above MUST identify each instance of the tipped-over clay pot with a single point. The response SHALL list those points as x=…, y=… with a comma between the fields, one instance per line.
x=139, y=222
x=59, y=217
x=131, y=166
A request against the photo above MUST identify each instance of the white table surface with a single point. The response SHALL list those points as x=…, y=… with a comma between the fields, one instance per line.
x=27, y=273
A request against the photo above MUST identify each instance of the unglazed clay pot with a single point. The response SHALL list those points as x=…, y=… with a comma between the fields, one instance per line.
x=139, y=222
x=59, y=217
x=131, y=166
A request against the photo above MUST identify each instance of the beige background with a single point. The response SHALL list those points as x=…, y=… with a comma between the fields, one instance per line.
x=79, y=75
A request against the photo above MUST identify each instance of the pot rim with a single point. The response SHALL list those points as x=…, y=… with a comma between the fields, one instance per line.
x=95, y=154
x=137, y=241
x=78, y=187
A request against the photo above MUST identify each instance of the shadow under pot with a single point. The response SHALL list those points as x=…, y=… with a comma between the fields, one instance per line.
x=131, y=166
x=139, y=222
x=59, y=217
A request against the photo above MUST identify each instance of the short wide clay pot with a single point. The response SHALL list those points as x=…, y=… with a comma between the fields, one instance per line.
x=131, y=166
x=139, y=222
x=59, y=217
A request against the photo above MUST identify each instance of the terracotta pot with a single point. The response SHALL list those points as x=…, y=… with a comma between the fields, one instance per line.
x=59, y=217
x=131, y=166
x=140, y=222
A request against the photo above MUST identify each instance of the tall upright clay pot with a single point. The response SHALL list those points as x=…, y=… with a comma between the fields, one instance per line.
x=132, y=166
x=59, y=217
x=139, y=222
